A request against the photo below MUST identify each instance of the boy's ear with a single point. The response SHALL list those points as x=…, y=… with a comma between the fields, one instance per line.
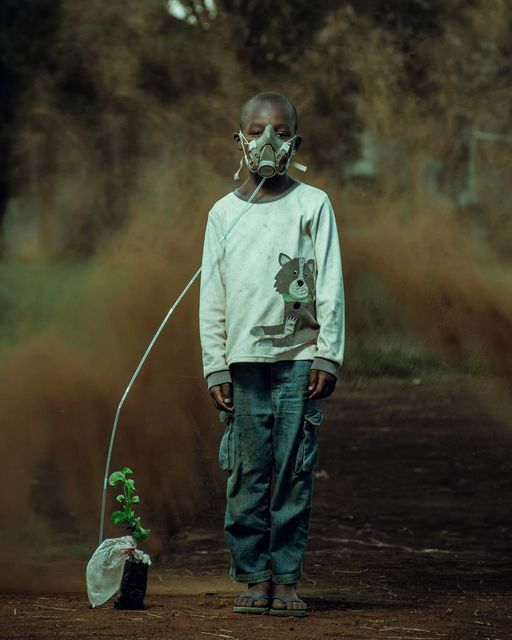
x=298, y=142
x=238, y=141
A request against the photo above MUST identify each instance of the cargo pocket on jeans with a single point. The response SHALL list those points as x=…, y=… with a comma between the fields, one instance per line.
x=308, y=448
x=226, y=448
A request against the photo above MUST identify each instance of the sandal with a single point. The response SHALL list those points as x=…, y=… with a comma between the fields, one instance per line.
x=252, y=608
x=298, y=613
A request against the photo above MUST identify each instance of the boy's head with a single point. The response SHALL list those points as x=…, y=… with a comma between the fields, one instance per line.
x=256, y=115
x=269, y=104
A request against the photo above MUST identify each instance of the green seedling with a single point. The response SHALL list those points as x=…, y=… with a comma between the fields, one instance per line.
x=127, y=499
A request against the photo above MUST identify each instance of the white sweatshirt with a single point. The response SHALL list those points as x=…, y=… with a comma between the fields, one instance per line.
x=271, y=283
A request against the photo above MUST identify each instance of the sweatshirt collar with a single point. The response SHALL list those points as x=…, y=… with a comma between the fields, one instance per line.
x=286, y=192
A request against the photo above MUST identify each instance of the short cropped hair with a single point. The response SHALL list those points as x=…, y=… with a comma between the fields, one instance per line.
x=268, y=95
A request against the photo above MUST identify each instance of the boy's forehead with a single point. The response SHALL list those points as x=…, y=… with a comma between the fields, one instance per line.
x=273, y=111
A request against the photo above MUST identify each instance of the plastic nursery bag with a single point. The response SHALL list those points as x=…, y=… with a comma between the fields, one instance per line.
x=105, y=568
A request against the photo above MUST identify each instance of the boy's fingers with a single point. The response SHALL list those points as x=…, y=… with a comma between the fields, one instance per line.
x=219, y=393
x=313, y=380
x=227, y=401
x=227, y=392
x=324, y=387
x=317, y=391
x=214, y=394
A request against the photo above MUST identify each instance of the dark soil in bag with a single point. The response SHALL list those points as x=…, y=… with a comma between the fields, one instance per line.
x=133, y=585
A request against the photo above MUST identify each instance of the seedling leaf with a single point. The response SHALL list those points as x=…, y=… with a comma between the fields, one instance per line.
x=119, y=516
x=139, y=533
x=115, y=477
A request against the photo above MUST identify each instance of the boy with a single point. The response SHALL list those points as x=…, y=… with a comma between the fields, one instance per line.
x=272, y=335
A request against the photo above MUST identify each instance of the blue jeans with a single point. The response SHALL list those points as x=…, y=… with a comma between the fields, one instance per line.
x=273, y=428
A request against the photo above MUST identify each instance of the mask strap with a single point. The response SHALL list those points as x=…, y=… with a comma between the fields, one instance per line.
x=237, y=174
x=298, y=165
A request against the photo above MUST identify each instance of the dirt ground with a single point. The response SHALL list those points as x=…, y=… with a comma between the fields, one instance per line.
x=411, y=536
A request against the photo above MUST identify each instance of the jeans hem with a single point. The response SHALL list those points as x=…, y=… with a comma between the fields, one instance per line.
x=262, y=576
x=286, y=578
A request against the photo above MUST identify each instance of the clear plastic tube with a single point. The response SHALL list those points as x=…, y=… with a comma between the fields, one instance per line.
x=143, y=360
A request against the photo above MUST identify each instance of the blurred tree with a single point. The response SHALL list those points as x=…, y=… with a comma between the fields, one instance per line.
x=269, y=33
x=412, y=21
x=266, y=35
x=27, y=36
x=417, y=16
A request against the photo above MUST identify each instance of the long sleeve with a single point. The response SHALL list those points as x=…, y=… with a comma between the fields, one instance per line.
x=330, y=297
x=212, y=305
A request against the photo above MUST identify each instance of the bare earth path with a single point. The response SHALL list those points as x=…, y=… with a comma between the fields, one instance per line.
x=411, y=535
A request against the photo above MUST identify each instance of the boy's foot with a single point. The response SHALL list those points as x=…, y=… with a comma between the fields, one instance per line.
x=286, y=602
x=255, y=600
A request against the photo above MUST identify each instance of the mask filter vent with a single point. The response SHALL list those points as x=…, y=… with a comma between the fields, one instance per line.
x=268, y=154
x=266, y=169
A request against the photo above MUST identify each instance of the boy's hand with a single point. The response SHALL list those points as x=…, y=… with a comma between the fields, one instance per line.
x=321, y=384
x=221, y=395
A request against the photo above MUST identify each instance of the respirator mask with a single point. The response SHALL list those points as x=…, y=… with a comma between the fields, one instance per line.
x=268, y=155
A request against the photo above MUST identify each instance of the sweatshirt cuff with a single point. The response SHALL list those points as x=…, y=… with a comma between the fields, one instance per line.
x=322, y=364
x=218, y=377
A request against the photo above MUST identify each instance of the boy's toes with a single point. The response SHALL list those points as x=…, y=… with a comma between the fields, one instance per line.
x=295, y=604
x=249, y=602
x=256, y=597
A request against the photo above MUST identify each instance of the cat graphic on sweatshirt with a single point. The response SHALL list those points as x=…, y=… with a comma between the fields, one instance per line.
x=295, y=281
